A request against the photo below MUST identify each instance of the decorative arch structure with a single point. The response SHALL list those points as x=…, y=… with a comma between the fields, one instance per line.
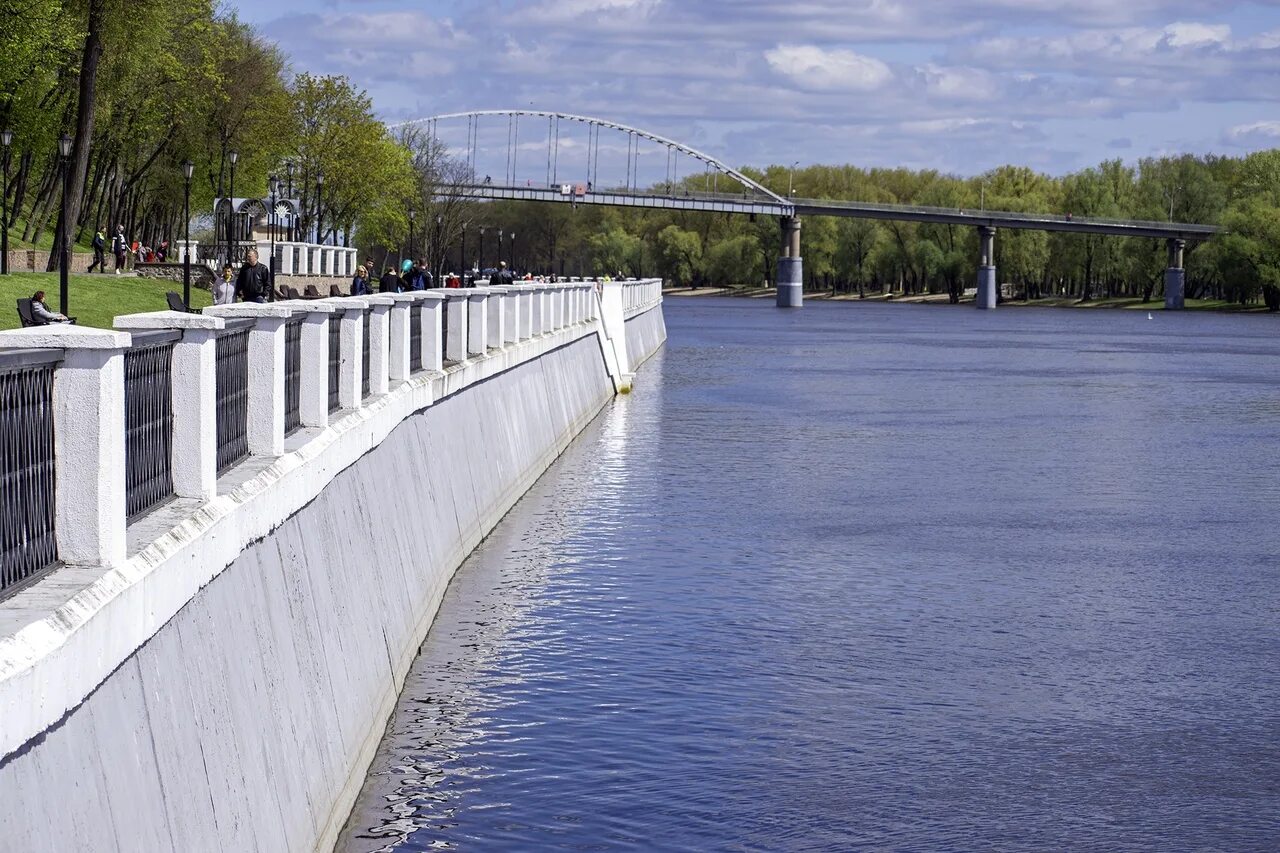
x=554, y=118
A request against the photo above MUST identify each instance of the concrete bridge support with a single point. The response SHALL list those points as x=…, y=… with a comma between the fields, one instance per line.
x=790, y=266
x=1175, y=277
x=988, y=294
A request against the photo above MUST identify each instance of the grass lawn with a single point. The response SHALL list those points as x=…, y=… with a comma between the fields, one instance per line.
x=96, y=300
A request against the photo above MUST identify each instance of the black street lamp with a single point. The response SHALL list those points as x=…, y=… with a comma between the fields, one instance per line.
x=499, y=263
x=412, y=216
x=187, y=169
x=273, y=185
x=462, y=258
x=288, y=172
x=438, y=250
x=482, y=230
x=319, y=206
x=513, y=253
x=233, y=156
x=6, y=136
x=64, y=152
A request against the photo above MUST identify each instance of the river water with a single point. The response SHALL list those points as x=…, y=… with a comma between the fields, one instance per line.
x=874, y=577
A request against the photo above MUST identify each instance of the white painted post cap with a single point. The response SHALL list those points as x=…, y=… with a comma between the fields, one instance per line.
x=64, y=336
x=168, y=320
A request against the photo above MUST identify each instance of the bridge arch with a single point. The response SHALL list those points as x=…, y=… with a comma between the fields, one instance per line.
x=634, y=135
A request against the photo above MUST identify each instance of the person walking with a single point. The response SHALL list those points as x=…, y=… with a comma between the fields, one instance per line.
x=415, y=278
x=254, y=282
x=390, y=282
x=99, y=251
x=360, y=283
x=119, y=248
x=224, y=288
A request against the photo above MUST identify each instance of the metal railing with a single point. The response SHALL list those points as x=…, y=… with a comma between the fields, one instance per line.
x=28, y=541
x=293, y=375
x=233, y=393
x=444, y=331
x=335, y=360
x=415, y=337
x=148, y=416
x=364, y=362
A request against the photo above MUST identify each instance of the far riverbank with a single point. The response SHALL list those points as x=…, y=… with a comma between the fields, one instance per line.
x=1125, y=303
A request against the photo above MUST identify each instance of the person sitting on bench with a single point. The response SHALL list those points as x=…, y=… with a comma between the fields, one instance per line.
x=41, y=312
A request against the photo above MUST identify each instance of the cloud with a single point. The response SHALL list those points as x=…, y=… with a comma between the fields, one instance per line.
x=814, y=68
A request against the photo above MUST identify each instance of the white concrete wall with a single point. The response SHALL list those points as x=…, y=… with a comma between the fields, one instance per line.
x=235, y=676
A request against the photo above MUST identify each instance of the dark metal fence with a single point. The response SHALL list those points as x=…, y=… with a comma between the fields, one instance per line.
x=444, y=330
x=335, y=359
x=28, y=542
x=293, y=375
x=148, y=417
x=233, y=393
x=415, y=337
x=364, y=363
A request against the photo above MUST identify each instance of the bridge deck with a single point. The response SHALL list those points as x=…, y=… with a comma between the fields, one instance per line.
x=755, y=204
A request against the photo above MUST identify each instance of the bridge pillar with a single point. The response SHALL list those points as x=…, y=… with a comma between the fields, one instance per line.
x=1175, y=277
x=790, y=266
x=988, y=295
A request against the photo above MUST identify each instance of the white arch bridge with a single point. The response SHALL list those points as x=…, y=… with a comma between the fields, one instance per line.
x=572, y=176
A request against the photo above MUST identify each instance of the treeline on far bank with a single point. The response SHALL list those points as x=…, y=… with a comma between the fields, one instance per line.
x=1242, y=194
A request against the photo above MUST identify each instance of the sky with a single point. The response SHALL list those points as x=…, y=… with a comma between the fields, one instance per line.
x=960, y=86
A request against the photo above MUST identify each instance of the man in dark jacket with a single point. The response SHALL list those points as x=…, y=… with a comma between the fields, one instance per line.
x=415, y=278
x=390, y=282
x=99, y=251
x=254, y=282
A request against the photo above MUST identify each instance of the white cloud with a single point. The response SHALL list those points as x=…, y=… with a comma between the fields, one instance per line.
x=814, y=68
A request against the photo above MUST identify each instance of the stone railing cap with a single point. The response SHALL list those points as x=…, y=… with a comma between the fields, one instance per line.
x=400, y=297
x=450, y=292
x=308, y=306
x=498, y=288
x=348, y=303
x=379, y=299
x=64, y=336
x=427, y=296
x=249, y=309
x=168, y=320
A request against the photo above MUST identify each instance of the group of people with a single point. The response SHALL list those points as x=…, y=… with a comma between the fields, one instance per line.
x=413, y=275
x=122, y=250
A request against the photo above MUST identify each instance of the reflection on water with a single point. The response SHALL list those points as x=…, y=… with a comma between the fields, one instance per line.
x=873, y=577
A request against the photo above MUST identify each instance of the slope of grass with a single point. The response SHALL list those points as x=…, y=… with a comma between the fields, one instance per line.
x=95, y=300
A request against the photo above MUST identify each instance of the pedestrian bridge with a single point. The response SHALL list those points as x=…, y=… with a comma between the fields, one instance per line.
x=576, y=182
x=226, y=535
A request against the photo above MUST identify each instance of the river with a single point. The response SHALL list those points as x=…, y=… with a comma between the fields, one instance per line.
x=874, y=577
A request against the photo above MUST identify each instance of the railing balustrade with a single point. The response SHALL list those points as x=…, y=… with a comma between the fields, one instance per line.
x=233, y=393
x=415, y=338
x=444, y=332
x=293, y=375
x=28, y=541
x=148, y=406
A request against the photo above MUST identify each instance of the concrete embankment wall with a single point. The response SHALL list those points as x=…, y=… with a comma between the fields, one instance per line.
x=246, y=721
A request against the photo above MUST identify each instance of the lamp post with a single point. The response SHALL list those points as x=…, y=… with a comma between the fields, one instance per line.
x=233, y=156
x=6, y=136
x=288, y=174
x=319, y=206
x=483, y=228
x=513, y=253
x=462, y=258
x=791, y=180
x=499, y=262
x=412, y=216
x=187, y=169
x=273, y=186
x=64, y=156
x=438, y=250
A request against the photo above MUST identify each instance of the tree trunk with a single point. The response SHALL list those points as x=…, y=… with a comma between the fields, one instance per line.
x=85, y=108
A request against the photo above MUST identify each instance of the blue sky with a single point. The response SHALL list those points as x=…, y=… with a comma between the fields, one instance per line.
x=957, y=85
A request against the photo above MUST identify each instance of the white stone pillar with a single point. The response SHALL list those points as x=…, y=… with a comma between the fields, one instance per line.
x=563, y=317
x=89, y=441
x=266, y=401
x=497, y=317
x=304, y=267
x=194, y=455
x=538, y=316
x=456, y=306
x=379, y=343
x=477, y=321
x=398, y=366
x=286, y=262
x=427, y=312
x=524, y=294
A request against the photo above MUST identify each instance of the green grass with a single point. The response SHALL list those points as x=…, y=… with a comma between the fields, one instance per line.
x=96, y=300
x=45, y=243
